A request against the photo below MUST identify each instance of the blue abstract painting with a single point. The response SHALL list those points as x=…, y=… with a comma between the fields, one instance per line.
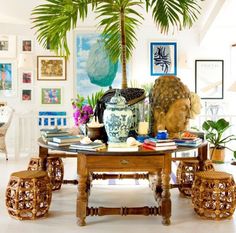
x=85, y=84
x=163, y=58
x=52, y=118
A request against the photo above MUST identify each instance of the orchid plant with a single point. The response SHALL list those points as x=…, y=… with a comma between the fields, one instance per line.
x=82, y=111
x=84, y=108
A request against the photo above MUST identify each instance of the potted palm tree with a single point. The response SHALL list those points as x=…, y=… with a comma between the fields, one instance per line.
x=118, y=21
x=215, y=135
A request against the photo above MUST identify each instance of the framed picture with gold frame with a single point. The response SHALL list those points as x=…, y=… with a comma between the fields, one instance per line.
x=51, y=68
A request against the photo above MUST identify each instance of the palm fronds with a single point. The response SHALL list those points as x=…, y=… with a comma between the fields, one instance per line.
x=177, y=13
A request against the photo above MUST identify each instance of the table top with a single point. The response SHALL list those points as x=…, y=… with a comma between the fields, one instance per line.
x=140, y=152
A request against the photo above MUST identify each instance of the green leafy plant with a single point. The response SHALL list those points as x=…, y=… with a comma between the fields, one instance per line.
x=215, y=133
x=119, y=20
x=92, y=101
x=83, y=109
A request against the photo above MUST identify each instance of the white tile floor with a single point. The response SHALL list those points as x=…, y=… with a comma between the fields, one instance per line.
x=62, y=211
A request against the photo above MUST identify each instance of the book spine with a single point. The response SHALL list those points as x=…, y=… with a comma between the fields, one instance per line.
x=159, y=148
x=157, y=143
x=188, y=144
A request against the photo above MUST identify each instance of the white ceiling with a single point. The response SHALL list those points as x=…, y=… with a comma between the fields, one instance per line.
x=17, y=11
x=218, y=16
x=220, y=22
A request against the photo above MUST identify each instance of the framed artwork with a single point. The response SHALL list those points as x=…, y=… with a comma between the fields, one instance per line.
x=51, y=68
x=7, y=78
x=26, y=95
x=26, y=45
x=51, y=96
x=209, y=79
x=86, y=45
x=52, y=118
x=26, y=77
x=163, y=58
x=7, y=46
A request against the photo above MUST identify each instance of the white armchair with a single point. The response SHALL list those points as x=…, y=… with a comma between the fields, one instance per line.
x=6, y=114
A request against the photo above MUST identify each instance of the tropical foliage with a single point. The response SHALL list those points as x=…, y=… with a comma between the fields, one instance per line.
x=95, y=97
x=83, y=108
x=215, y=133
x=118, y=21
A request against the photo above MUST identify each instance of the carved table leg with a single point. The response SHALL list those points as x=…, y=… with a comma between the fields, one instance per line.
x=43, y=153
x=202, y=155
x=82, y=197
x=89, y=184
x=166, y=201
x=158, y=189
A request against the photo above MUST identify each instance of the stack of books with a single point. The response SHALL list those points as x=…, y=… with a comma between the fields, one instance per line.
x=121, y=147
x=48, y=134
x=93, y=146
x=64, y=140
x=190, y=142
x=159, y=145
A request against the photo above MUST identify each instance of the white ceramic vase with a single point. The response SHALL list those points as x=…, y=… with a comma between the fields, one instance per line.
x=117, y=119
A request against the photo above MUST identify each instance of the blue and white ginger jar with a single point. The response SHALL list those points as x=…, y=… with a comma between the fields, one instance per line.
x=117, y=119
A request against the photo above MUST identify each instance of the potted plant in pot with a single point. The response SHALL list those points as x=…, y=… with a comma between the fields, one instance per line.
x=215, y=135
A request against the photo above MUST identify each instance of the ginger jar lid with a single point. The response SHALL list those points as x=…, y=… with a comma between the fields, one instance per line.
x=117, y=101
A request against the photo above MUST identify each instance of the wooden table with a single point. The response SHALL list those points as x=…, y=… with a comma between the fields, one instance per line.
x=144, y=160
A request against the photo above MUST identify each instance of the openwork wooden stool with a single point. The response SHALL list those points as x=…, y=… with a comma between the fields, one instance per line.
x=55, y=171
x=185, y=174
x=54, y=167
x=28, y=195
x=214, y=194
x=35, y=164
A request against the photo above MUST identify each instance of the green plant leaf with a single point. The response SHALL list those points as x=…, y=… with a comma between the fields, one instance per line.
x=95, y=97
x=110, y=20
x=176, y=13
x=119, y=20
x=235, y=154
x=215, y=130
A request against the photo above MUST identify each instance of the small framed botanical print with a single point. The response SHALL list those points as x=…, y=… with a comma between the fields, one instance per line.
x=26, y=95
x=26, y=77
x=26, y=45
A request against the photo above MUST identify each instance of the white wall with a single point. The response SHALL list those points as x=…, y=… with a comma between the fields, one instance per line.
x=187, y=45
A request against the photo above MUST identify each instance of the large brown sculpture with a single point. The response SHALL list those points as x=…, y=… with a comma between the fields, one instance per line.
x=171, y=105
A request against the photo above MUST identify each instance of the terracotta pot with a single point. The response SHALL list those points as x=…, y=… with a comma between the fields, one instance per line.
x=217, y=155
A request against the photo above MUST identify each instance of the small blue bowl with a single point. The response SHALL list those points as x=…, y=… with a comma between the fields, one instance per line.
x=162, y=135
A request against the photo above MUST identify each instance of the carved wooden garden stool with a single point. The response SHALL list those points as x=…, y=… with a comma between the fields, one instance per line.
x=54, y=167
x=214, y=194
x=185, y=174
x=28, y=195
x=35, y=164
